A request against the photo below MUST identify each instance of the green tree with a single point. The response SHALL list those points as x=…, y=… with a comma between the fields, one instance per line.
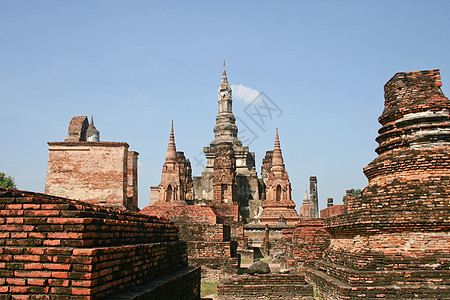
x=355, y=193
x=7, y=181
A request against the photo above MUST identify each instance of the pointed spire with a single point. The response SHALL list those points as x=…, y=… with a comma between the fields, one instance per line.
x=92, y=120
x=277, y=159
x=224, y=73
x=171, y=155
x=224, y=82
x=277, y=140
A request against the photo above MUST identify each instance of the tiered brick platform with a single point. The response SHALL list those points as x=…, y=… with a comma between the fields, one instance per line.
x=208, y=240
x=266, y=286
x=393, y=243
x=54, y=248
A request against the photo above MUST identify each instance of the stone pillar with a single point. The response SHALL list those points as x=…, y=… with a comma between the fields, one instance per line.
x=314, y=199
x=266, y=241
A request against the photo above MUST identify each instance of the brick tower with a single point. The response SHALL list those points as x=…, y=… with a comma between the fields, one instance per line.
x=175, y=177
x=278, y=204
x=224, y=174
x=394, y=240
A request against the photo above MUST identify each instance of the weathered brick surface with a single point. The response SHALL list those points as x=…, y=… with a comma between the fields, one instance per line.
x=393, y=243
x=183, y=213
x=332, y=211
x=309, y=240
x=94, y=172
x=54, y=247
x=211, y=233
x=266, y=286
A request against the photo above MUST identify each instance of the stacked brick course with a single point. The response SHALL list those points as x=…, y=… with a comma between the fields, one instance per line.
x=393, y=243
x=266, y=286
x=54, y=248
x=332, y=211
x=211, y=238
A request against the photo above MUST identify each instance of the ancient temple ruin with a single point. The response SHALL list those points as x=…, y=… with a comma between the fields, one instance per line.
x=278, y=206
x=247, y=187
x=176, y=177
x=393, y=241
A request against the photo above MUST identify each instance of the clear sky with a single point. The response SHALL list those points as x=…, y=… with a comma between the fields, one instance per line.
x=136, y=65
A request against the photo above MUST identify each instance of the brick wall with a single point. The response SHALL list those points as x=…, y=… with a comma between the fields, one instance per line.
x=56, y=248
x=332, y=211
x=267, y=286
x=210, y=243
x=94, y=172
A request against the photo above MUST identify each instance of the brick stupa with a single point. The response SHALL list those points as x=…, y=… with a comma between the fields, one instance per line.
x=174, y=188
x=393, y=243
x=278, y=206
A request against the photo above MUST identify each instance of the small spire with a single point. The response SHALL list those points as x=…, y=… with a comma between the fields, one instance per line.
x=277, y=140
x=224, y=73
x=92, y=120
x=224, y=82
x=277, y=158
x=171, y=148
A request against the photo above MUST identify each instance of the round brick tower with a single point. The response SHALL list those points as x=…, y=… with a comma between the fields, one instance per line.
x=393, y=243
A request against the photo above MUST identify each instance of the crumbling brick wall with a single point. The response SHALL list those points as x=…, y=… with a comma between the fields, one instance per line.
x=332, y=211
x=210, y=243
x=56, y=248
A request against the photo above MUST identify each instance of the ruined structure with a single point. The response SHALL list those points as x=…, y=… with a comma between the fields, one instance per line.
x=55, y=248
x=278, y=205
x=211, y=240
x=393, y=242
x=247, y=193
x=314, y=198
x=84, y=168
x=176, y=177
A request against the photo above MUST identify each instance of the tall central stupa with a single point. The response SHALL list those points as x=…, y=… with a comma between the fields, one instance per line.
x=248, y=188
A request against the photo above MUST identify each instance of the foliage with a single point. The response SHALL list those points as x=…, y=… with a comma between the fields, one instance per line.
x=7, y=181
x=355, y=193
x=208, y=288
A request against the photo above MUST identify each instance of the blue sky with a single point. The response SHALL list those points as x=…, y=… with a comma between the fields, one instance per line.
x=136, y=65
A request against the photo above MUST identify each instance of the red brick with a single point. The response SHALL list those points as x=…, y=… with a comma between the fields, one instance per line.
x=39, y=274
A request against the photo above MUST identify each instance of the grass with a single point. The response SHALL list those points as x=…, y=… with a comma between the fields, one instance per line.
x=250, y=261
x=208, y=288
